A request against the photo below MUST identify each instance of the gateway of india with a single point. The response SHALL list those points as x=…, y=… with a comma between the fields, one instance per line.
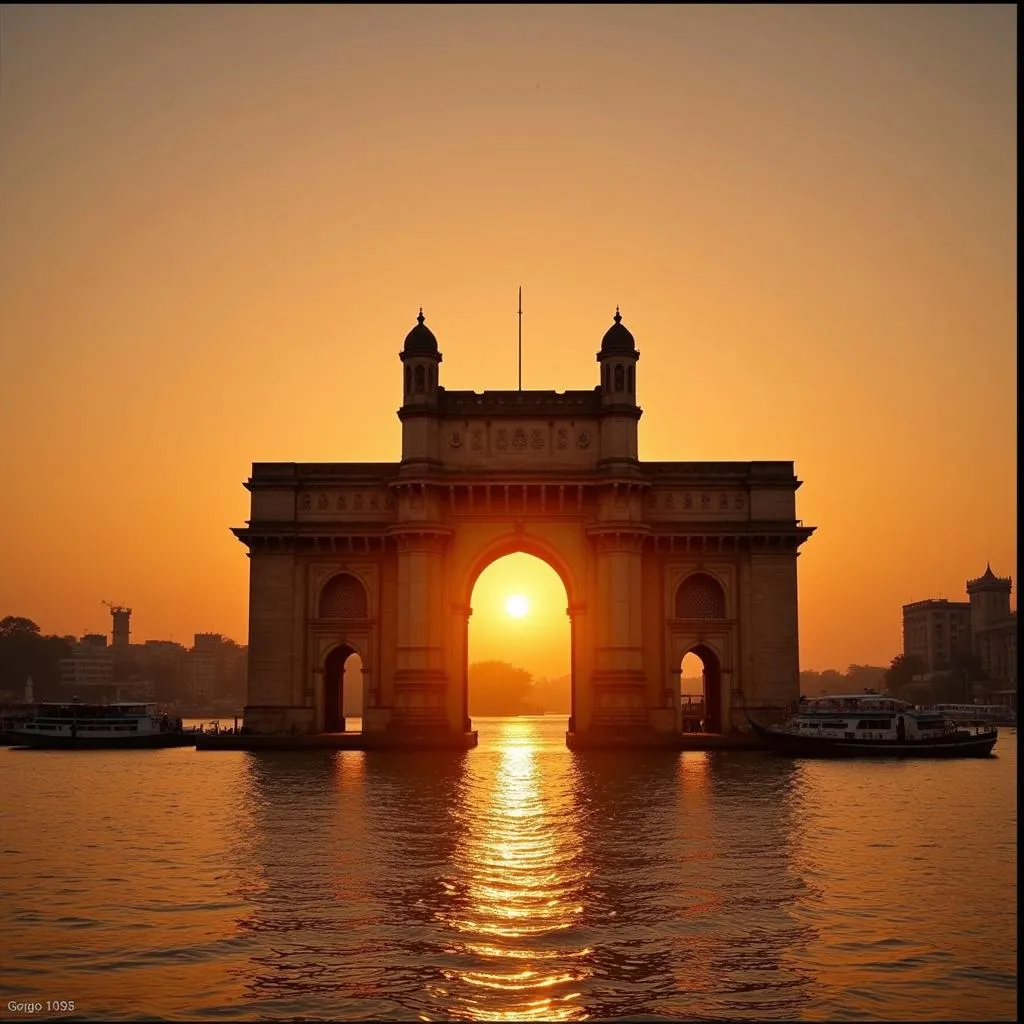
x=658, y=559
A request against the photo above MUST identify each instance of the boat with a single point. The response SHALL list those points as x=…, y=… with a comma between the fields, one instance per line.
x=79, y=725
x=12, y=715
x=872, y=725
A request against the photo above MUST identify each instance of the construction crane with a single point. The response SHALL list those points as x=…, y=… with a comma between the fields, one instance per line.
x=117, y=609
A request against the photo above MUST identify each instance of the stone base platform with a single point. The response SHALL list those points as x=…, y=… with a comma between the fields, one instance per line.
x=336, y=741
x=663, y=741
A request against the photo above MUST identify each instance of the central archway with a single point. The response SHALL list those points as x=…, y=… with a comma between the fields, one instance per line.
x=519, y=640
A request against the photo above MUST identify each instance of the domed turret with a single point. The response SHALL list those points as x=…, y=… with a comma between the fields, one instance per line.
x=617, y=340
x=619, y=412
x=420, y=356
x=420, y=341
x=618, y=358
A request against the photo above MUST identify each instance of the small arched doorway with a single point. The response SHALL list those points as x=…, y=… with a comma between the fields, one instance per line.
x=343, y=660
x=701, y=702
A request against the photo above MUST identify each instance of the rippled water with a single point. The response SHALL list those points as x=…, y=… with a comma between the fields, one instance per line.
x=517, y=881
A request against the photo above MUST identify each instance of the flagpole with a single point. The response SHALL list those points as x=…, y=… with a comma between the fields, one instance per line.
x=520, y=337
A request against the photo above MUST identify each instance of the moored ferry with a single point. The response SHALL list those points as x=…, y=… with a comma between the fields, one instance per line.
x=78, y=725
x=871, y=725
x=13, y=714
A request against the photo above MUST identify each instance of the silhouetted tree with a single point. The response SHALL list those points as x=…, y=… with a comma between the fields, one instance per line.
x=17, y=626
x=24, y=652
x=498, y=688
x=902, y=677
x=830, y=680
x=553, y=696
x=865, y=677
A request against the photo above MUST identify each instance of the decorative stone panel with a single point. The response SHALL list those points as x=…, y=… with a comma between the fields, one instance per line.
x=343, y=597
x=700, y=596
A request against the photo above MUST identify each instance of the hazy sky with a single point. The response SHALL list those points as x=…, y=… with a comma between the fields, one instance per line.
x=217, y=225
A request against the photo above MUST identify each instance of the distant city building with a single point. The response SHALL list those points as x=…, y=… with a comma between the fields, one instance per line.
x=157, y=652
x=994, y=627
x=120, y=628
x=933, y=630
x=210, y=667
x=136, y=689
x=201, y=667
x=90, y=666
x=984, y=625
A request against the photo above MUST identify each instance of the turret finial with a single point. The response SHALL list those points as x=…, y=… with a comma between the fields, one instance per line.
x=617, y=318
x=419, y=319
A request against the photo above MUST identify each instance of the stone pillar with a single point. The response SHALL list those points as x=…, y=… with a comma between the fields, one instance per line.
x=732, y=718
x=421, y=683
x=460, y=699
x=618, y=686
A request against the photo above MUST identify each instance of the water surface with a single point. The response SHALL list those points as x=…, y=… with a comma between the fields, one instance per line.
x=518, y=881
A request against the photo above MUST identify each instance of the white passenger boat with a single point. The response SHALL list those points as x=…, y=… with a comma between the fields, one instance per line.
x=77, y=725
x=870, y=725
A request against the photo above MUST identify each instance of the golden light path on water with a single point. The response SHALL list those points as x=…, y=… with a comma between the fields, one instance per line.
x=516, y=889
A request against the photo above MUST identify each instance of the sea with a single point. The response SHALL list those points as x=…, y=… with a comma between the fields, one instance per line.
x=519, y=881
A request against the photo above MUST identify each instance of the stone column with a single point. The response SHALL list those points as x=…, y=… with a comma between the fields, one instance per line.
x=732, y=701
x=618, y=684
x=420, y=702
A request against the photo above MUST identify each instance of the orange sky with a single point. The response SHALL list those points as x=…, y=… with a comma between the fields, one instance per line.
x=217, y=225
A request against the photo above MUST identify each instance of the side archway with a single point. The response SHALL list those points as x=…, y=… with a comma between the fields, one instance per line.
x=707, y=714
x=333, y=675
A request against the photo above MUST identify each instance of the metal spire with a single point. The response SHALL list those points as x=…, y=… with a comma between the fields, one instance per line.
x=520, y=337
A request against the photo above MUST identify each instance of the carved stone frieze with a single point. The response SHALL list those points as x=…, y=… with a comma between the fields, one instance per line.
x=696, y=503
x=353, y=502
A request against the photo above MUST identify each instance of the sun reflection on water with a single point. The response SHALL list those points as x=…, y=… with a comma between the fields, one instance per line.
x=516, y=893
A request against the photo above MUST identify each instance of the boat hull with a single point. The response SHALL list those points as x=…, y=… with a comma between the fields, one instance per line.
x=156, y=741
x=960, y=744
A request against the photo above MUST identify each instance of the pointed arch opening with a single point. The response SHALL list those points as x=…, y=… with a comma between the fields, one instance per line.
x=519, y=641
x=701, y=690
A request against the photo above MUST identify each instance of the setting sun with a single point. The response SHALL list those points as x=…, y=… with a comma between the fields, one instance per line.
x=517, y=606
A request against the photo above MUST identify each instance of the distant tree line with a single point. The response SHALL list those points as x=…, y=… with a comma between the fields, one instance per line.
x=856, y=679
x=25, y=653
x=498, y=688
x=907, y=678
